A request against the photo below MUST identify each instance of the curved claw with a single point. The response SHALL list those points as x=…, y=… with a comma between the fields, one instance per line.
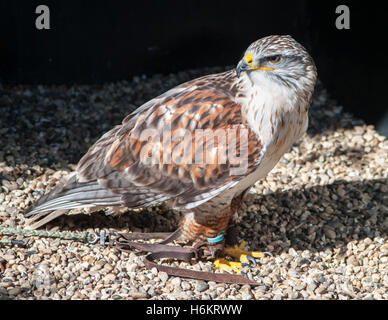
x=247, y=258
x=268, y=254
x=252, y=261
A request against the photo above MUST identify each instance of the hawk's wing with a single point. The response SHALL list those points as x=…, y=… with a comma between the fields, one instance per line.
x=189, y=144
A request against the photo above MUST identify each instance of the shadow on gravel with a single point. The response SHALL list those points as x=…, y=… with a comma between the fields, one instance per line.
x=319, y=217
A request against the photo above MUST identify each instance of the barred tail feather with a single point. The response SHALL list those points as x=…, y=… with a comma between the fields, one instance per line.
x=71, y=195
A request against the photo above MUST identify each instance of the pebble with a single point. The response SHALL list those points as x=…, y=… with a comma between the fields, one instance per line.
x=163, y=276
x=109, y=277
x=35, y=258
x=176, y=282
x=329, y=232
x=352, y=260
x=14, y=291
x=108, y=267
x=246, y=296
x=202, y=286
x=132, y=267
x=186, y=286
x=8, y=257
x=138, y=295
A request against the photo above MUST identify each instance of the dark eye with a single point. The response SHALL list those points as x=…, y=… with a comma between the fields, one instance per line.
x=274, y=59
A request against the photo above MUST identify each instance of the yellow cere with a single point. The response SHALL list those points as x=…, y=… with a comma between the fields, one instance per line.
x=249, y=61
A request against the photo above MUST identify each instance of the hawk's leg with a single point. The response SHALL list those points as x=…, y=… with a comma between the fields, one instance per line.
x=233, y=249
x=209, y=221
x=199, y=225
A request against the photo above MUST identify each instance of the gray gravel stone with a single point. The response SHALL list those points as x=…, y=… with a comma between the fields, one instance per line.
x=202, y=286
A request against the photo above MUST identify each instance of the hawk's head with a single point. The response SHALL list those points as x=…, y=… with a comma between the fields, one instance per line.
x=280, y=59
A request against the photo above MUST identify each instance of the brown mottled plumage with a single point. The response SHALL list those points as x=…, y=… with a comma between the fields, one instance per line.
x=199, y=146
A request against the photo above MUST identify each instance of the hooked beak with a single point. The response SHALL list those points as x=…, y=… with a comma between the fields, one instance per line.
x=246, y=64
x=241, y=67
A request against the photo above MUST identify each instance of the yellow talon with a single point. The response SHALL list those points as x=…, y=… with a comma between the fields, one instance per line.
x=223, y=264
x=239, y=253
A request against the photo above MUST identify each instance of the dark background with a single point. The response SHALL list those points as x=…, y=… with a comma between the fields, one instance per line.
x=103, y=41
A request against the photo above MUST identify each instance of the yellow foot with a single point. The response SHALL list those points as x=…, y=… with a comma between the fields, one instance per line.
x=237, y=252
x=223, y=264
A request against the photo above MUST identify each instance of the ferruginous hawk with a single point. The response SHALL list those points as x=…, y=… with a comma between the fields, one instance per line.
x=201, y=145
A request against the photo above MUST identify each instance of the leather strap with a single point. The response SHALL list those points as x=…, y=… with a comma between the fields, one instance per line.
x=160, y=250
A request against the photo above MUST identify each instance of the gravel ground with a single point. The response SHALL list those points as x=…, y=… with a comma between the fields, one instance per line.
x=322, y=211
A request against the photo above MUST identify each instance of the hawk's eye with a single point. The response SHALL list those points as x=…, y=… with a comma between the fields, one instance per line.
x=274, y=59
